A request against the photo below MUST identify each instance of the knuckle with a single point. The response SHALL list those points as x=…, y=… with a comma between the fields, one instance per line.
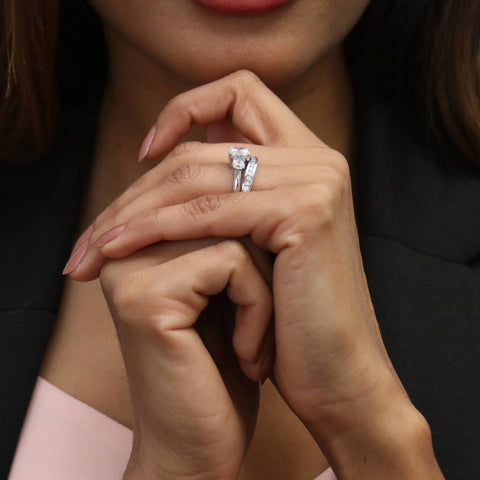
x=202, y=205
x=108, y=274
x=246, y=76
x=333, y=165
x=321, y=204
x=159, y=320
x=154, y=217
x=185, y=149
x=123, y=296
x=184, y=174
x=136, y=302
x=326, y=203
x=141, y=301
x=334, y=180
x=160, y=325
x=234, y=250
x=341, y=166
x=126, y=296
x=247, y=87
x=139, y=305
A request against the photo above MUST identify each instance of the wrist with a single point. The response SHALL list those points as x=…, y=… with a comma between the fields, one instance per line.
x=158, y=467
x=379, y=436
x=150, y=474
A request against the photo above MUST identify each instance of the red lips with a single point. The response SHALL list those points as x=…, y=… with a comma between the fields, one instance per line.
x=242, y=6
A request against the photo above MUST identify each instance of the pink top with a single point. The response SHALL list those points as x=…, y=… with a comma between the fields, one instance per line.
x=63, y=437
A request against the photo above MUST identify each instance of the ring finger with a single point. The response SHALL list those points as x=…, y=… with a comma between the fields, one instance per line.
x=201, y=153
x=183, y=183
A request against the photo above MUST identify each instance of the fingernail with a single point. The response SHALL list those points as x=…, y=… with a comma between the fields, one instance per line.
x=84, y=236
x=147, y=143
x=109, y=236
x=75, y=259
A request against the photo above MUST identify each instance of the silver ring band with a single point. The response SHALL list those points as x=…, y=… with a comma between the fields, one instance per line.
x=249, y=175
x=237, y=179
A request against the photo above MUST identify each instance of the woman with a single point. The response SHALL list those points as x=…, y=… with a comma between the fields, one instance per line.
x=159, y=237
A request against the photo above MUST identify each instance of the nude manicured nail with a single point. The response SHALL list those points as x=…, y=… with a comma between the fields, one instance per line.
x=147, y=143
x=109, y=236
x=75, y=260
x=84, y=236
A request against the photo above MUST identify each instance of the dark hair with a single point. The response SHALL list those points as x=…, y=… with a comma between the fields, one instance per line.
x=427, y=51
x=427, y=54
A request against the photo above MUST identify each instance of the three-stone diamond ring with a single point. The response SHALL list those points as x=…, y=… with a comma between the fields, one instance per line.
x=242, y=162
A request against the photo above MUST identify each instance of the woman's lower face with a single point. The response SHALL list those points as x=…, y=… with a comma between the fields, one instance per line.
x=199, y=43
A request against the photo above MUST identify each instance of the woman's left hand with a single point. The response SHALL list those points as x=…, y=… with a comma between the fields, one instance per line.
x=330, y=363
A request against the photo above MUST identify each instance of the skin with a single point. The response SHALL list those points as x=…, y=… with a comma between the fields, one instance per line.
x=329, y=362
x=343, y=364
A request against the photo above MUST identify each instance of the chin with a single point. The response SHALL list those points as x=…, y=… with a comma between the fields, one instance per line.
x=275, y=68
x=200, y=46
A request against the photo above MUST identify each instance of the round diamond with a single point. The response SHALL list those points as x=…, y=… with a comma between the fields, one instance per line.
x=238, y=163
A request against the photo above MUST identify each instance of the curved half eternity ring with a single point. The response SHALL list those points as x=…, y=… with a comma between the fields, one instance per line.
x=250, y=170
x=239, y=157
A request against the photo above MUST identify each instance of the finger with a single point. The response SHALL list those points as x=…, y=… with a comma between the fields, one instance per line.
x=196, y=153
x=254, y=110
x=218, y=132
x=166, y=300
x=267, y=356
x=189, y=181
x=192, y=181
x=259, y=214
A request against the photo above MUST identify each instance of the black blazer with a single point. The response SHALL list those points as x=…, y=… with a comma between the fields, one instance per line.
x=419, y=223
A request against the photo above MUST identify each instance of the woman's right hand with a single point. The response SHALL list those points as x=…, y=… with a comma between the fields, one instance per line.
x=194, y=415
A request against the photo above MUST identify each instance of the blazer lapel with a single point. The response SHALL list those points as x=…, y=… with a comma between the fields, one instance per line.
x=419, y=226
x=39, y=211
x=418, y=217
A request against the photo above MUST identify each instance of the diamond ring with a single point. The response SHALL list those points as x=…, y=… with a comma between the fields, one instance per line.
x=250, y=170
x=239, y=157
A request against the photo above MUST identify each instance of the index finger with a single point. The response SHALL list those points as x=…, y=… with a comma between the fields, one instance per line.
x=255, y=111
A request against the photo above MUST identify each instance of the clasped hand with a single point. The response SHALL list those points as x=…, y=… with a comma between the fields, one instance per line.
x=173, y=239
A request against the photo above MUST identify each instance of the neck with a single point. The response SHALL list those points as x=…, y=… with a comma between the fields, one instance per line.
x=138, y=88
